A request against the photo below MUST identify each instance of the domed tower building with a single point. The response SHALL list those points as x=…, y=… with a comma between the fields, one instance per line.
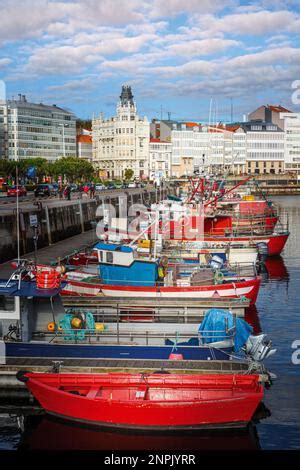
x=122, y=142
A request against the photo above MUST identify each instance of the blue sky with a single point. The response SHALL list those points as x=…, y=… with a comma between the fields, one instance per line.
x=179, y=56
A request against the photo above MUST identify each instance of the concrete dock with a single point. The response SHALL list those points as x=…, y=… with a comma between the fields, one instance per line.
x=51, y=255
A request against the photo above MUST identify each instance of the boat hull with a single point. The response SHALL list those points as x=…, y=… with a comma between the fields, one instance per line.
x=159, y=401
x=81, y=351
x=248, y=289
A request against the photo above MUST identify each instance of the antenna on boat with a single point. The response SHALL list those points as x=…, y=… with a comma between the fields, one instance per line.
x=18, y=216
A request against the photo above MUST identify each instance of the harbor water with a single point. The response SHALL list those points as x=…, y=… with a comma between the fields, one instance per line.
x=277, y=313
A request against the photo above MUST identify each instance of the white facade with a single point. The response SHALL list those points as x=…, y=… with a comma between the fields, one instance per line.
x=122, y=142
x=160, y=159
x=35, y=130
x=292, y=141
x=265, y=148
x=239, y=151
x=196, y=148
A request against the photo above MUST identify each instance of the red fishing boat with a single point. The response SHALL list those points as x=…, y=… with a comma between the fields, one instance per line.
x=152, y=401
x=121, y=274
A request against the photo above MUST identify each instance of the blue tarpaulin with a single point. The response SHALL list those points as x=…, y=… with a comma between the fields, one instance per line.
x=215, y=322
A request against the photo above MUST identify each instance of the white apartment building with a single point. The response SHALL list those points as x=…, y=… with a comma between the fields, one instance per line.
x=196, y=147
x=239, y=150
x=36, y=130
x=264, y=147
x=122, y=142
x=292, y=140
x=160, y=159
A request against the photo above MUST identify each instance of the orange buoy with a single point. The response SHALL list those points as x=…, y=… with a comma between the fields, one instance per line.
x=51, y=326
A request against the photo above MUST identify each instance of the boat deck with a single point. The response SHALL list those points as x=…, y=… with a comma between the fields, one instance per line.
x=187, y=309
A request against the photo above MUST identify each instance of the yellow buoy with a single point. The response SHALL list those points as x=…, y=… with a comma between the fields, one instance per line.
x=76, y=323
x=99, y=327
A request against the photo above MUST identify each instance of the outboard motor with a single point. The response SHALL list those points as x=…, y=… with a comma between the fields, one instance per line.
x=263, y=251
x=259, y=347
x=216, y=262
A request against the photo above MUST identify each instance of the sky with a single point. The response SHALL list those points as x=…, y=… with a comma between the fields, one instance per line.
x=196, y=59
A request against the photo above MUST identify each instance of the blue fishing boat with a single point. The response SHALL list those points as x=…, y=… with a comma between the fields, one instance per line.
x=44, y=329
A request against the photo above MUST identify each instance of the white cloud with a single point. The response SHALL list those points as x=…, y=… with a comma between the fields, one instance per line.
x=256, y=23
x=29, y=18
x=63, y=59
x=32, y=18
x=4, y=62
x=163, y=8
x=201, y=47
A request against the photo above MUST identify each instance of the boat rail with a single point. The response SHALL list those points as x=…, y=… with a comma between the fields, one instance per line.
x=146, y=337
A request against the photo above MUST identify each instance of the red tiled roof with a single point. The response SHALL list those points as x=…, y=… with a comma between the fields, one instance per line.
x=152, y=140
x=191, y=124
x=278, y=109
x=84, y=139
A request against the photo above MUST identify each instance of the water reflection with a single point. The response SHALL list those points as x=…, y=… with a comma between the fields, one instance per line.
x=48, y=433
x=277, y=269
x=273, y=269
x=252, y=317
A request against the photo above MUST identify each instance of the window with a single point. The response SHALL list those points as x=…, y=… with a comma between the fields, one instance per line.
x=109, y=257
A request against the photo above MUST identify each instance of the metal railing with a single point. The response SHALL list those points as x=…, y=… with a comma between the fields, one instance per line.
x=140, y=338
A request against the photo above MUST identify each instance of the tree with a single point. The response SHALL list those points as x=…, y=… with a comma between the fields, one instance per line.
x=73, y=168
x=128, y=173
x=83, y=124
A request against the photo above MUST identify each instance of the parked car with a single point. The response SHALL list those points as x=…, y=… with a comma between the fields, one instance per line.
x=45, y=190
x=99, y=187
x=14, y=190
x=111, y=186
x=132, y=185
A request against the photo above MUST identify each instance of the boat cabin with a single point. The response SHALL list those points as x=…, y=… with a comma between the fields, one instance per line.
x=118, y=265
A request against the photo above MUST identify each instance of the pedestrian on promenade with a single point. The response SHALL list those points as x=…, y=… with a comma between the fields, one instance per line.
x=92, y=191
x=86, y=190
x=68, y=192
x=80, y=191
x=60, y=191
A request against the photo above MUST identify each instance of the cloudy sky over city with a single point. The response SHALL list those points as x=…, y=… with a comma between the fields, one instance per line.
x=179, y=56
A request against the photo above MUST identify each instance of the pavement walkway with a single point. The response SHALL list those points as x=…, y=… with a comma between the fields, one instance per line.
x=51, y=254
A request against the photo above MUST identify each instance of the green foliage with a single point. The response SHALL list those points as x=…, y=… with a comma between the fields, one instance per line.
x=83, y=124
x=8, y=167
x=128, y=174
x=72, y=168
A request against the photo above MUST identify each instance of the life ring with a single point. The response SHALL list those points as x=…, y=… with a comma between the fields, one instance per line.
x=47, y=278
